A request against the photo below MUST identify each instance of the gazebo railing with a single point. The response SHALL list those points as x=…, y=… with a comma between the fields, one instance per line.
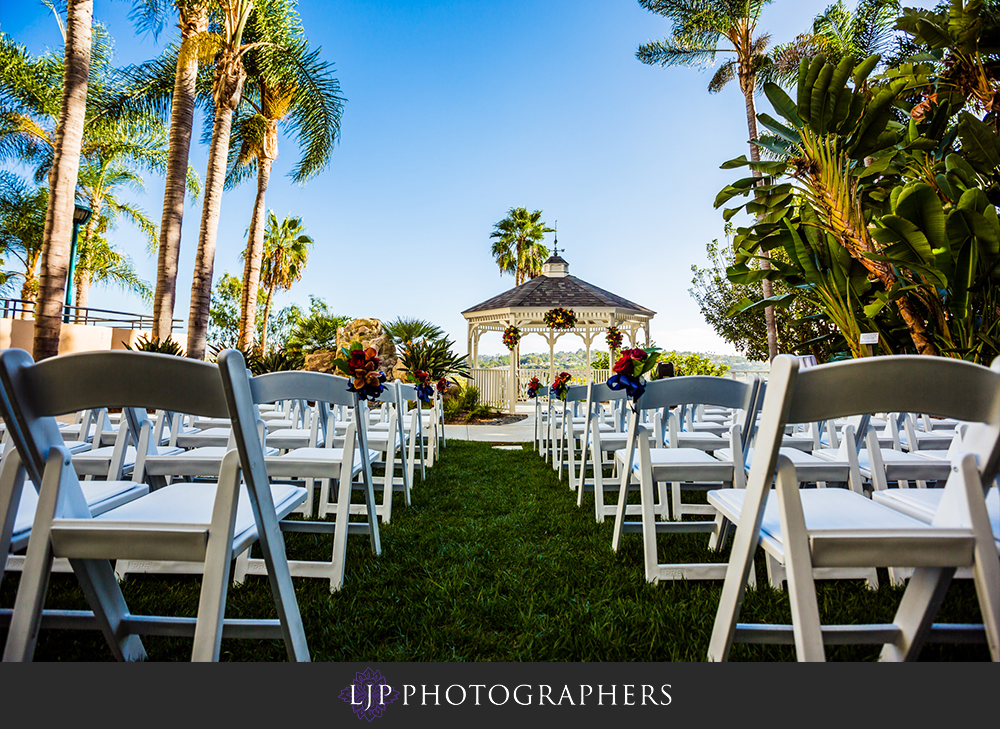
x=492, y=382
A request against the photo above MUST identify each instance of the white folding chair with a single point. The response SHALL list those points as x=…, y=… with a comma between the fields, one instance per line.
x=325, y=465
x=180, y=521
x=838, y=528
x=683, y=468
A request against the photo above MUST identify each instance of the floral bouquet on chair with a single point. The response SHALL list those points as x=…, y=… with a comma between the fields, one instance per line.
x=424, y=389
x=560, y=385
x=442, y=385
x=533, y=386
x=630, y=368
x=361, y=366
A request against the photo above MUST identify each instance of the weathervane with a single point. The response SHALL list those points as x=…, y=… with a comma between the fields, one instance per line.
x=555, y=244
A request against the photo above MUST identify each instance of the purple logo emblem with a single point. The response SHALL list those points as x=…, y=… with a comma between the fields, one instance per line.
x=369, y=694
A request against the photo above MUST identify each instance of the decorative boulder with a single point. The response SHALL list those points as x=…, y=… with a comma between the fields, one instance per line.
x=369, y=332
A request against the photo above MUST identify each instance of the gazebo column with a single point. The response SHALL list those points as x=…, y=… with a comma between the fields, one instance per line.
x=475, y=347
x=472, y=352
x=552, y=356
x=645, y=327
x=588, y=339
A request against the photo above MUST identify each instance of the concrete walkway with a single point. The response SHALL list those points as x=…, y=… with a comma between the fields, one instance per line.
x=520, y=432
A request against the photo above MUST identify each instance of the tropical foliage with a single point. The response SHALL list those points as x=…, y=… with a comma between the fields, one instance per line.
x=286, y=252
x=435, y=357
x=315, y=331
x=517, y=244
x=290, y=86
x=883, y=194
x=146, y=343
x=404, y=330
x=700, y=31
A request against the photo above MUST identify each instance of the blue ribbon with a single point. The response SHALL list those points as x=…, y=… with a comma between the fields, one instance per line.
x=424, y=393
x=368, y=392
x=633, y=386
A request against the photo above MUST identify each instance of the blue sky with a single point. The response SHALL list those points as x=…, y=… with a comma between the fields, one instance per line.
x=458, y=110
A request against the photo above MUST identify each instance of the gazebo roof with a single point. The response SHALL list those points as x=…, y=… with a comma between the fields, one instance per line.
x=547, y=291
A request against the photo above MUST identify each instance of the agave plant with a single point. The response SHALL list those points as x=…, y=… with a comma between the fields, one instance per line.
x=434, y=357
x=251, y=354
x=145, y=343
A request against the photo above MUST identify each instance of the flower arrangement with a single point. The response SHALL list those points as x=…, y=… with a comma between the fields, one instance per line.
x=560, y=385
x=361, y=366
x=424, y=389
x=630, y=368
x=533, y=386
x=442, y=385
x=560, y=318
x=614, y=339
x=511, y=336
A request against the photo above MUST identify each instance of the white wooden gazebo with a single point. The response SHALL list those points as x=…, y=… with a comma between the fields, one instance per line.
x=525, y=306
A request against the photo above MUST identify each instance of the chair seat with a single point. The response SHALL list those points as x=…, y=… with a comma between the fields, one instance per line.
x=899, y=466
x=313, y=462
x=211, y=437
x=938, y=440
x=287, y=439
x=192, y=503
x=684, y=464
x=703, y=441
x=807, y=466
x=97, y=461
x=922, y=504
x=100, y=495
x=823, y=509
x=204, y=461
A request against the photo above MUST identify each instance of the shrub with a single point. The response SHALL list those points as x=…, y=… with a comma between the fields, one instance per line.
x=155, y=344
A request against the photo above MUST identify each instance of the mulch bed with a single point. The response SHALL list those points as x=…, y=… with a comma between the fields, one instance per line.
x=503, y=420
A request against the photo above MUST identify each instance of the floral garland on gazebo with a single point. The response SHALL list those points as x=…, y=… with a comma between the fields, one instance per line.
x=560, y=318
x=511, y=336
x=614, y=338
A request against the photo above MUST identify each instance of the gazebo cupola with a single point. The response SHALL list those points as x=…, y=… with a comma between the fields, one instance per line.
x=555, y=267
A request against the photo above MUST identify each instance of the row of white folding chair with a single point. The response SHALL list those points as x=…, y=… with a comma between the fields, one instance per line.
x=179, y=521
x=840, y=528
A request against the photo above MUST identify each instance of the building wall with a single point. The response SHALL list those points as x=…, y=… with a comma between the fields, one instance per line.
x=20, y=333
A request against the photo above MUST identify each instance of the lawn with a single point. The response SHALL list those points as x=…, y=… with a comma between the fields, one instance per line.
x=494, y=561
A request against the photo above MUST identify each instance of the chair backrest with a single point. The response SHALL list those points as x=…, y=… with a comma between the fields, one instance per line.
x=706, y=390
x=33, y=394
x=904, y=383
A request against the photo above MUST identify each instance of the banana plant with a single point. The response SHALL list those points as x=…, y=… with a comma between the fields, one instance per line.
x=895, y=198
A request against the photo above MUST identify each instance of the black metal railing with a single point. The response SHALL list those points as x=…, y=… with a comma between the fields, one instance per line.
x=25, y=309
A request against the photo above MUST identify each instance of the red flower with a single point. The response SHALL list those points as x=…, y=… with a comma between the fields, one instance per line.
x=624, y=364
x=639, y=354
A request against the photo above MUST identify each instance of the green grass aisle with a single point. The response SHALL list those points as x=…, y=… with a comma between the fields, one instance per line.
x=495, y=562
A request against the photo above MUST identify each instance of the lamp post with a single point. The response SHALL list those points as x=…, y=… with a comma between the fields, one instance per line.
x=81, y=214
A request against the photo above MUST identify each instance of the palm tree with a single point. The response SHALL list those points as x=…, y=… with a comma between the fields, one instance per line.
x=116, y=146
x=99, y=263
x=518, y=247
x=56, y=239
x=22, y=225
x=227, y=91
x=702, y=29
x=839, y=32
x=286, y=252
x=289, y=86
x=192, y=18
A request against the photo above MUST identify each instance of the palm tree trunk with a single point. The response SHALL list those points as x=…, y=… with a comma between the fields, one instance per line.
x=82, y=294
x=767, y=288
x=82, y=291
x=267, y=316
x=255, y=251
x=229, y=77
x=57, y=238
x=179, y=144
